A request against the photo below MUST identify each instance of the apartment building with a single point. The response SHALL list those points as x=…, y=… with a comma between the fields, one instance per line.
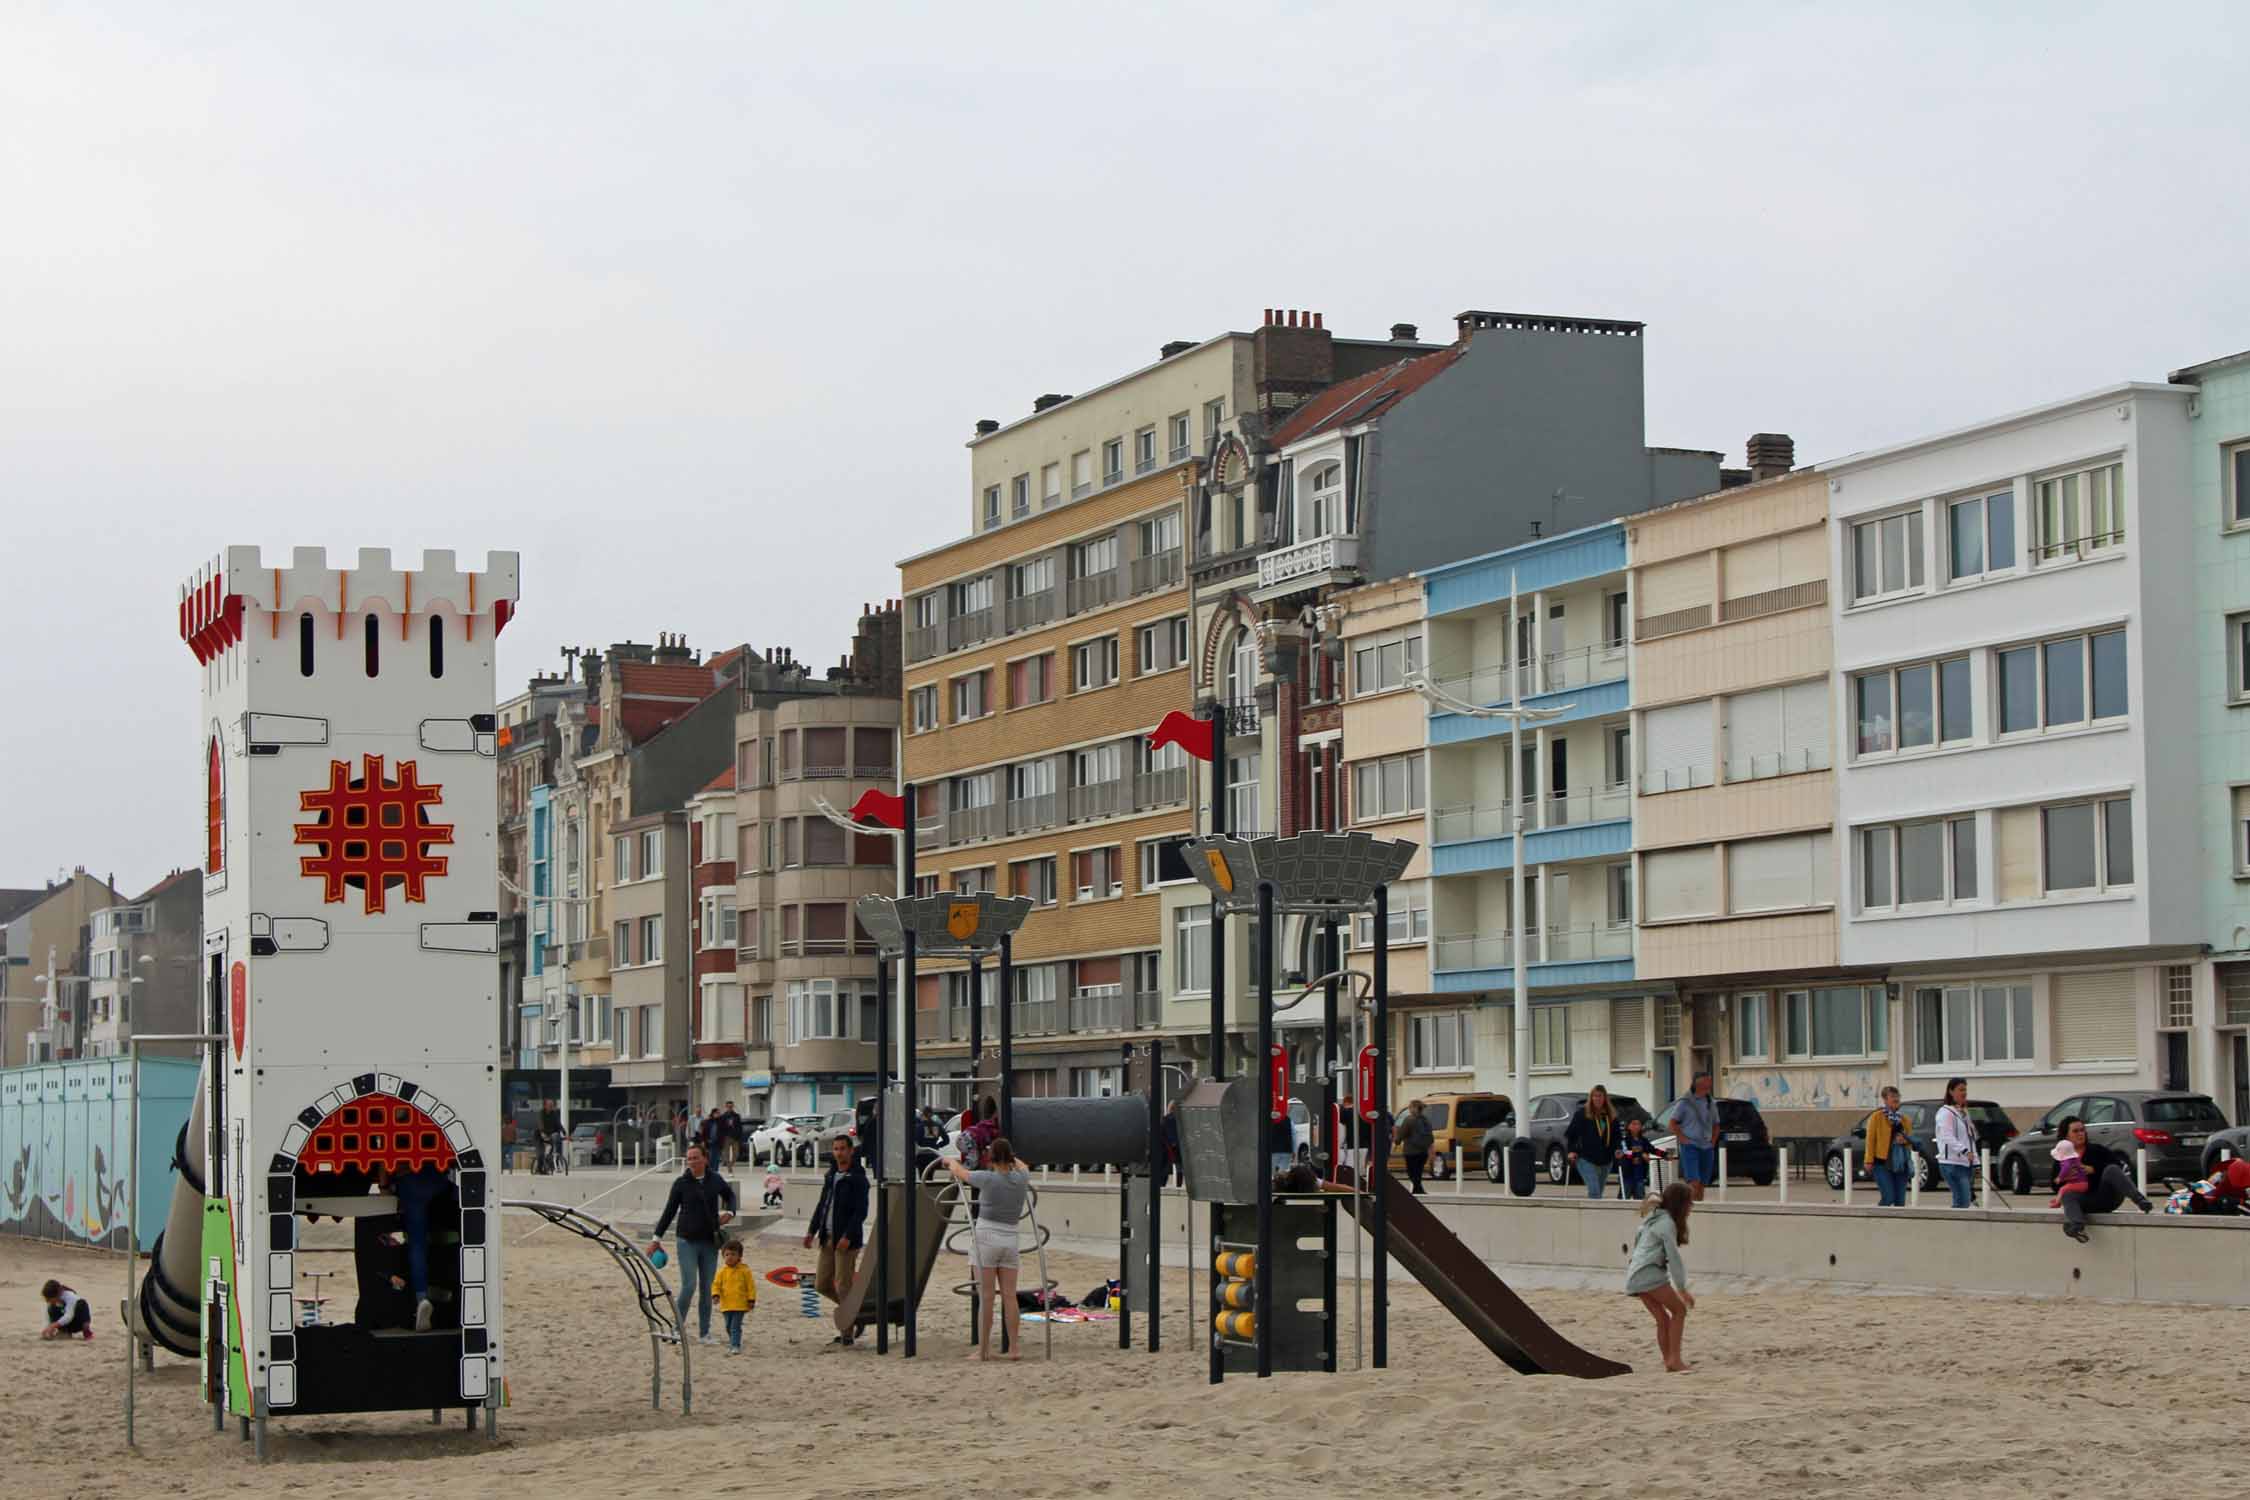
x=526, y=744
x=43, y=981
x=2014, y=820
x=718, y=1064
x=645, y=905
x=1546, y=620
x=143, y=967
x=1732, y=665
x=802, y=967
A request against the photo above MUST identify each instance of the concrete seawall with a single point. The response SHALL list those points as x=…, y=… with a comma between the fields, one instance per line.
x=1554, y=1240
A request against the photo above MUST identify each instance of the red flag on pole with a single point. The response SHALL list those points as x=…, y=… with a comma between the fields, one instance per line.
x=1186, y=731
x=880, y=807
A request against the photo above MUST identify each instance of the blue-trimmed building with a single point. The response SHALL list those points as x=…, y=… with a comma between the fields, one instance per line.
x=1566, y=639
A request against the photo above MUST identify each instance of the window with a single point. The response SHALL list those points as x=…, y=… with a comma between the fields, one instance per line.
x=1191, y=950
x=1094, y=556
x=1113, y=460
x=825, y=842
x=1620, y=878
x=2087, y=845
x=1966, y=1026
x=1849, y=1021
x=1380, y=665
x=1214, y=412
x=992, y=507
x=1441, y=1043
x=972, y=696
x=1676, y=747
x=1777, y=731
x=820, y=1012
x=1096, y=765
x=1887, y=556
x=1913, y=707
x=1914, y=864
x=652, y=853
x=925, y=611
x=1161, y=861
x=1019, y=497
x=1031, y=680
x=1242, y=668
x=1144, y=450
x=2061, y=684
x=1387, y=788
x=2238, y=656
x=652, y=940
x=1026, y=579
x=1679, y=883
x=1409, y=916
x=2179, y=997
x=1242, y=793
x=1031, y=779
x=924, y=703
x=621, y=860
x=1550, y=1036
x=971, y=596
x=1159, y=534
x=1981, y=535
x=1750, y=1040
x=1093, y=664
x=1615, y=629
x=1780, y=874
x=1324, y=489
x=2240, y=797
x=1081, y=473
x=1161, y=646
x=1050, y=486
x=970, y=881
x=1097, y=873
x=1034, y=878
x=1178, y=430
x=2079, y=514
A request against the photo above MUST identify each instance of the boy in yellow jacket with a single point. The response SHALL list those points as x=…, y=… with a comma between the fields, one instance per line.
x=735, y=1290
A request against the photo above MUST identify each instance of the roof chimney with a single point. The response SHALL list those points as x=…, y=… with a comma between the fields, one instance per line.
x=1770, y=455
x=1177, y=346
x=1043, y=402
x=986, y=427
x=1404, y=333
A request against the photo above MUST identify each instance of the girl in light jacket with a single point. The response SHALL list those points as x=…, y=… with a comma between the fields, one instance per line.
x=1957, y=1142
x=1657, y=1274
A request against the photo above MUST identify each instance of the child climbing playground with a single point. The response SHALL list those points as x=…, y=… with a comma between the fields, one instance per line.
x=1657, y=1274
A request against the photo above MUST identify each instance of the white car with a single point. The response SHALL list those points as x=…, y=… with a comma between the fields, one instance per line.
x=783, y=1139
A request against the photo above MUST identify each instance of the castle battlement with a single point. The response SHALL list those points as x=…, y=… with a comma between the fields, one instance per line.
x=217, y=602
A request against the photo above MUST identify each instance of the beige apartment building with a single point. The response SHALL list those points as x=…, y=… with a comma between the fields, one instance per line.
x=50, y=931
x=1732, y=658
x=646, y=902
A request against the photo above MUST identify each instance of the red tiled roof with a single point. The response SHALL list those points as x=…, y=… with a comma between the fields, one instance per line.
x=723, y=782
x=666, y=679
x=725, y=659
x=1357, y=400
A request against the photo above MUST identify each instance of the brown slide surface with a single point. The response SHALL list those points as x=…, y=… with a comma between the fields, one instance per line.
x=910, y=1273
x=1454, y=1275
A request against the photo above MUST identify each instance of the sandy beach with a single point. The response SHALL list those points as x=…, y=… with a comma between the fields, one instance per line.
x=1797, y=1393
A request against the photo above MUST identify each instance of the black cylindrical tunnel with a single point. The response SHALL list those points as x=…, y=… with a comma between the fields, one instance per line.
x=1080, y=1132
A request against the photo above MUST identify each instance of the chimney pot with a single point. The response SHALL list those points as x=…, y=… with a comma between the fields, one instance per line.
x=1770, y=455
x=1041, y=403
x=1317, y=320
x=986, y=426
x=1404, y=333
x=1269, y=318
x=1292, y=317
x=1177, y=346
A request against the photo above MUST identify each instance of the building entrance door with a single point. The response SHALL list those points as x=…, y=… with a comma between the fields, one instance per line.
x=2241, y=1048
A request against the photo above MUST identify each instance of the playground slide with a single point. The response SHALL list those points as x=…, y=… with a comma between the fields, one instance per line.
x=910, y=1275
x=1453, y=1274
x=172, y=1290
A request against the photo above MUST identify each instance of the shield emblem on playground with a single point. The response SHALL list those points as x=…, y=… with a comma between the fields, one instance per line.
x=961, y=920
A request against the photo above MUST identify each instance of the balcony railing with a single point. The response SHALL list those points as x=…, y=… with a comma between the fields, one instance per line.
x=1029, y=611
x=1547, y=946
x=1094, y=591
x=1043, y=810
x=1179, y=451
x=1773, y=601
x=1675, y=779
x=1238, y=717
x=591, y=950
x=1325, y=554
x=1081, y=491
x=1158, y=570
x=1038, y=1017
x=1144, y=465
x=966, y=825
x=1106, y=1009
x=970, y=629
x=1556, y=672
x=2076, y=548
x=1165, y=788
x=1099, y=799
x=1487, y=820
x=1593, y=805
x=922, y=642
x=1779, y=763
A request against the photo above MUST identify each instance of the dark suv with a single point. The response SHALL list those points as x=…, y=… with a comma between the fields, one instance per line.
x=1550, y=1117
x=2172, y=1127
x=1990, y=1122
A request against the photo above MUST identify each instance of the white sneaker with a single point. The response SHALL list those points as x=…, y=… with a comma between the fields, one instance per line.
x=734, y=1348
x=705, y=1339
x=422, y=1314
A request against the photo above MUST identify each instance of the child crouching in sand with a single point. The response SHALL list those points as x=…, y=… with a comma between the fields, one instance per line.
x=1657, y=1274
x=773, y=1187
x=69, y=1316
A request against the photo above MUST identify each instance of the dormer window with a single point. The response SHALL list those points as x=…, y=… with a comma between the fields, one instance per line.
x=1324, y=488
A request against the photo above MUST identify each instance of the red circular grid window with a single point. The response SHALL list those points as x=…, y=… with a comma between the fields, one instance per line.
x=376, y=1130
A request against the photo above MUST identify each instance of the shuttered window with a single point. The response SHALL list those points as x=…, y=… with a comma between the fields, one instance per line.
x=1780, y=874
x=1777, y=731
x=1680, y=883
x=2094, y=1017
x=1680, y=584
x=1676, y=747
x=1628, y=1036
x=1775, y=562
x=2016, y=860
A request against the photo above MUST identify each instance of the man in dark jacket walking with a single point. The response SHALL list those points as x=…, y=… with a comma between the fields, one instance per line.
x=1414, y=1140
x=697, y=1198
x=839, y=1223
x=730, y=1134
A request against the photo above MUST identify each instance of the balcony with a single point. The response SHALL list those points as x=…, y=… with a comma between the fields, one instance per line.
x=1166, y=788
x=1096, y=591
x=1113, y=1008
x=1238, y=717
x=1491, y=820
x=1179, y=451
x=968, y=825
x=1158, y=570
x=1552, y=945
x=971, y=629
x=1030, y=611
x=1306, y=564
x=1099, y=799
x=1145, y=465
x=1029, y=814
x=1778, y=763
x=922, y=642
x=1556, y=672
x=585, y=950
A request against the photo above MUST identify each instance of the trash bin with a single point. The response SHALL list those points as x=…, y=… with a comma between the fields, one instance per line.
x=1523, y=1167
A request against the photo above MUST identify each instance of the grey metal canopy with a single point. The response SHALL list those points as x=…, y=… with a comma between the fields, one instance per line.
x=1313, y=874
x=944, y=924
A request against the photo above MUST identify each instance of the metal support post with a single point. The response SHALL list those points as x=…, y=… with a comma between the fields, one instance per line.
x=1218, y=1043
x=1263, y=957
x=1379, y=1157
x=1159, y=1173
x=882, y=1140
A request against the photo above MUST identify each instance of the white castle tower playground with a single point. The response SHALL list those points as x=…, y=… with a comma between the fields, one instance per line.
x=350, y=922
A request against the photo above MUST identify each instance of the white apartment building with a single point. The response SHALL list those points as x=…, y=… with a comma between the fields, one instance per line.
x=2015, y=823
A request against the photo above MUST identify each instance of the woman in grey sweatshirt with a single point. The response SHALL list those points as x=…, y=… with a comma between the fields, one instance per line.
x=1657, y=1272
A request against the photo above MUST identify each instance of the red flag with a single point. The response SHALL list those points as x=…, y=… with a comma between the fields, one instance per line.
x=880, y=807
x=1186, y=731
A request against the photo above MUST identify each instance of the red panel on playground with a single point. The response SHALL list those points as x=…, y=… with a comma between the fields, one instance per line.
x=376, y=1130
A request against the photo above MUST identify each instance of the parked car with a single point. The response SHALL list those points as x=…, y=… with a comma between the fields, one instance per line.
x=2234, y=1141
x=1550, y=1117
x=1456, y=1121
x=1990, y=1122
x=1300, y=1128
x=1744, y=1138
x=2174, y=1128
x=777, y=1141
x=593, y=1142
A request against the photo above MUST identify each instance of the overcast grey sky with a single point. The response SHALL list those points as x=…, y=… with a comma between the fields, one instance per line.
x=694, y=304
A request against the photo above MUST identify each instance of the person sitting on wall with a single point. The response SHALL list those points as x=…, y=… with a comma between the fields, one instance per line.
x=69, y=1316
x=2107, y=1180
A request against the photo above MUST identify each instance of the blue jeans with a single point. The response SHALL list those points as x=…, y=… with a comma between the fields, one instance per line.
x=414, y=1191
x=1632, y=1179
x=1959, y=1178
x=1593, y=1176
x=734, y=1329
x=1890, y=1187
x=1699, y=1163
x=699, y=1262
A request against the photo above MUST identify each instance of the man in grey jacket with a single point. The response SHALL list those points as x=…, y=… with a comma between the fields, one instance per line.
x=1414, y=1141
x=1695, y=1124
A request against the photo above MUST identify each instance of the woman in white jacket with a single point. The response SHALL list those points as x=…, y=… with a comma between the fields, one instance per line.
x=1957, y=1142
